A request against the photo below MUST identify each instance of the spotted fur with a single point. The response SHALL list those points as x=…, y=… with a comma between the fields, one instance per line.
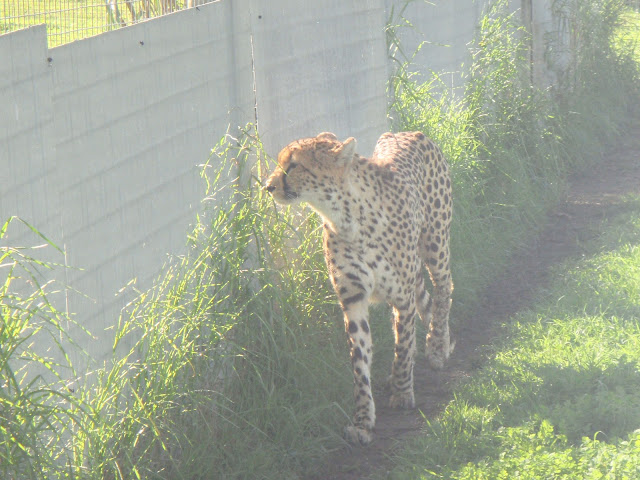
x=384, y=218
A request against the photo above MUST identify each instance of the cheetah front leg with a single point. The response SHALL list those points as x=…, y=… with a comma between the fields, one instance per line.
x=401, y=380
x=356, y=320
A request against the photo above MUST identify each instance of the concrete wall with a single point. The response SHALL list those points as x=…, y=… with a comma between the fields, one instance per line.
x=536, y=16
x=28, y=169
x=101, y=147
x=132, y=129
x=437, y=34
x=320, y=68
x=28, y=186
x=101, y=139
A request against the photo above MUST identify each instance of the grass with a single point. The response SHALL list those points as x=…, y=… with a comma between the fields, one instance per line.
x=213, y=368
x=489, y=132
x=225, y=352
x=36, y=407
x=558, y=396
x=234, y=364
x=629, y=36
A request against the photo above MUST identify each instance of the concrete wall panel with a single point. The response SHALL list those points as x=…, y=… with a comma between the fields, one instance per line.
x=28, y=173
x=145, y=105
x=440, y=37
x=27, y=151
x=320, y=68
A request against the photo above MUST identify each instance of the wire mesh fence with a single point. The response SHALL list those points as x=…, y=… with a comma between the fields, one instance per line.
x=69, y=20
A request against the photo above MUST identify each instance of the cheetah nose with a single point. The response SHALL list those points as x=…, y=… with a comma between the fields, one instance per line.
x=270, y=188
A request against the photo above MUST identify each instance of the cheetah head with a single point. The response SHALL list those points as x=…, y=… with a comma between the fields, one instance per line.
x=311, y=170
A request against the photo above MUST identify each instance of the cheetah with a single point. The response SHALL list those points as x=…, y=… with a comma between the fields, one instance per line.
x=384, y=218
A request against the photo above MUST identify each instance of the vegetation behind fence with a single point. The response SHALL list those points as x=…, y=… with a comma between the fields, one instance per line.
x=69, y=20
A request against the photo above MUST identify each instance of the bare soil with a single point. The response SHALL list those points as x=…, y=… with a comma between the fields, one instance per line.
x=593, y=196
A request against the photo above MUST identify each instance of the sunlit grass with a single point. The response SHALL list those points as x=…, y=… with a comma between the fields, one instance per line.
x=237, y=359
x=560, y=397
x=37, y=409
x=629, y=35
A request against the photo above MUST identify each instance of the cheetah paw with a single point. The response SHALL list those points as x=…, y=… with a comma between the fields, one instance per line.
x=402, y=400
x=387, y=384
x=437, y=359
x=358, y=435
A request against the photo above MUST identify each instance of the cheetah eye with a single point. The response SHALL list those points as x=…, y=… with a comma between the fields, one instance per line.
x=290, y=167
x=304, y=168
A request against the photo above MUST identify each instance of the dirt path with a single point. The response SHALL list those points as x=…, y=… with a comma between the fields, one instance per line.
x=593, y=196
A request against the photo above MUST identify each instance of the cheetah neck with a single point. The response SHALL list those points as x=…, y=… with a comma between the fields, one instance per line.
x=338, y=206
x=338, y=222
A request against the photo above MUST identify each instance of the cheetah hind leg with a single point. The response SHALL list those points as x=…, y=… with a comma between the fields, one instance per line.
x=439, y=348
x=439, y=344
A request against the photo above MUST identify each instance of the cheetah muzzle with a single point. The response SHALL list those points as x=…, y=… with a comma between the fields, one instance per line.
x=385, y=217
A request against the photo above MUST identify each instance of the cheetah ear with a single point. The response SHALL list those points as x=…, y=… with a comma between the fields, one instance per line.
x=326, y=136
x=346, y=150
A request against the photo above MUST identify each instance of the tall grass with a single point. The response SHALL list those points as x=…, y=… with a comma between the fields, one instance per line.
x=511, y=143
x=233, y=364
x=557, y=400
x=37, y=407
